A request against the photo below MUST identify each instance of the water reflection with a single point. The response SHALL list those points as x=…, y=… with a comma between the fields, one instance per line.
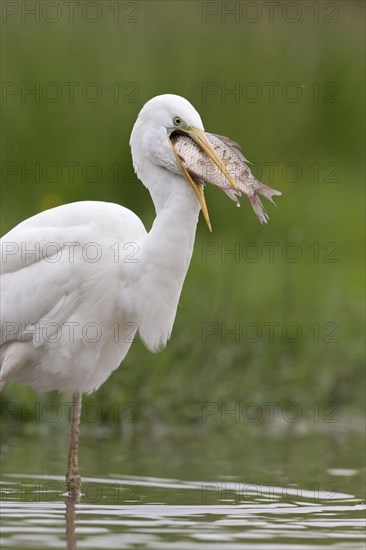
x=201, y=515
x=70, y=523
x=264, y=490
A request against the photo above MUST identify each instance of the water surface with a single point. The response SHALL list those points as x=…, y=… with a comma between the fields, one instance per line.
x=240, y=487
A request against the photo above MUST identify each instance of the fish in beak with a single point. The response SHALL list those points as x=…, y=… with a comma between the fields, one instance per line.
x=214, y=159
x=200, y=138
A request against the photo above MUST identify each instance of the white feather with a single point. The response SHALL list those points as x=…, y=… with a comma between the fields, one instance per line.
x=95, y=274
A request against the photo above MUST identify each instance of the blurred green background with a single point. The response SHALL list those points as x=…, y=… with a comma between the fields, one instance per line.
x=309, y=130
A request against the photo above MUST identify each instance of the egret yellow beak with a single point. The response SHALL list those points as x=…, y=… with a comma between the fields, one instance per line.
x=197, y=187
x=201, y=139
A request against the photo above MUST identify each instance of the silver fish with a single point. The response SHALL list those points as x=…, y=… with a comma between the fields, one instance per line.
x=201, y=167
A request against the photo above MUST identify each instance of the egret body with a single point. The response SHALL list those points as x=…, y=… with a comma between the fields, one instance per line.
x=79, y=280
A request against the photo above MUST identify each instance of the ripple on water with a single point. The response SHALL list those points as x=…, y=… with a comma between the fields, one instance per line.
x=159, y=517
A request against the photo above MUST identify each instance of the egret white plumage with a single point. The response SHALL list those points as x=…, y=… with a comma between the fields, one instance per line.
x=79, y=280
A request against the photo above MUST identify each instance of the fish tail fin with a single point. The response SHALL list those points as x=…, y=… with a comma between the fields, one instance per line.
x=259, y=209
x=267, y=192
x=232, y=194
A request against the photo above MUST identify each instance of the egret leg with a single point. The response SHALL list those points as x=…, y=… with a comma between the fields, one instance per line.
x=70, y=522
x=72, y=477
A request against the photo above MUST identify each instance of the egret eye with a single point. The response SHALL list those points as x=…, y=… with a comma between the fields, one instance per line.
x=177, y=121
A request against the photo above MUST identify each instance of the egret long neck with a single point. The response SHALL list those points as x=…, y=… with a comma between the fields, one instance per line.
x=165, y=256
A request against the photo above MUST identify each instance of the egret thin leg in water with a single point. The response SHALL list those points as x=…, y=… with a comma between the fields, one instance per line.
x=61, y=285
x=72, y=475
x=70, y=522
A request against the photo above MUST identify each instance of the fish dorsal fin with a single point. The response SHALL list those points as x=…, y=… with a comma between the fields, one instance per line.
x=230, y=143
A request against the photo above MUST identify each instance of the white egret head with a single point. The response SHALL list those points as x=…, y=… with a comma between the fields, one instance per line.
x=151, y=145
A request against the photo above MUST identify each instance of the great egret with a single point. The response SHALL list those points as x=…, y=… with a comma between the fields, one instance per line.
x=79, y=280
